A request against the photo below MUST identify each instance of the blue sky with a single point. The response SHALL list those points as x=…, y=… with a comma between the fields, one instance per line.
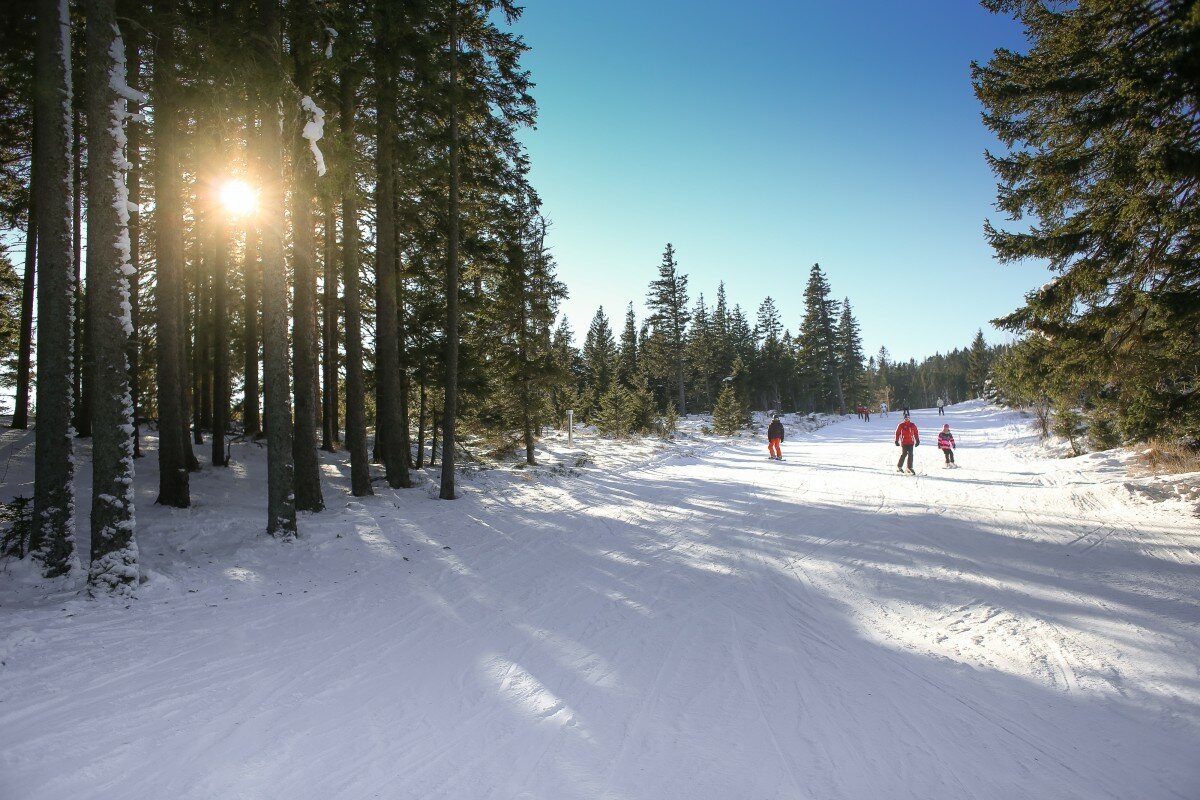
x=760, y=137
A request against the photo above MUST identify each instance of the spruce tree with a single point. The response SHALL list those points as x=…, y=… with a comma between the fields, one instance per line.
x=668, y=303
x=114, y=552
x=599, y=358
x=818, y=341
x=53, y=537
x=1098, y=122
x=850, y=356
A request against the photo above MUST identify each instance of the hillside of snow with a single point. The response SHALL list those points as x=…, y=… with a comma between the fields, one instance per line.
x=631, y=620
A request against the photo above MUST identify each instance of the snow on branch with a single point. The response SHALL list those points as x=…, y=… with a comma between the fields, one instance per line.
x=314, y=129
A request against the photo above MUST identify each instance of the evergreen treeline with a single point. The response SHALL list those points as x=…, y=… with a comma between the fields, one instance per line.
x=303, y=220
x=1099, y=121
x=691, y=357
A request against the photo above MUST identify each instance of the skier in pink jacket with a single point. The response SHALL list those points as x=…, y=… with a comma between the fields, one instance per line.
x=946, y=445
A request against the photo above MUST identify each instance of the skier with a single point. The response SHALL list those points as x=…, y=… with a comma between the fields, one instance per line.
x=866, y=413
x=775, y=438
x=907, y=437
x=941, y=404
x=883, y=410
x=946, y=445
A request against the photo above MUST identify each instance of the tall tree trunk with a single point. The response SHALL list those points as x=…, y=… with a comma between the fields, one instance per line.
x=356, y=417
x=114, y=567
x=251, y=421
x=329, y=343
x=281, y=501
x=220, y=340
x=24, y=355
x=451, y=399
x=387, y=345
x=173, y=489
x=52, y=540
x=304, y=275
x=206, y=324
x=134, y=156
x=402, y=360
x=83, y=361
x=420, y=425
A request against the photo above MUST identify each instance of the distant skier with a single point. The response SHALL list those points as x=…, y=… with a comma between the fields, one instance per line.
x=883, y=410
x=941, y=404
x=775, y=438
x=907, y=437
x=946, y=445
x=866, y=412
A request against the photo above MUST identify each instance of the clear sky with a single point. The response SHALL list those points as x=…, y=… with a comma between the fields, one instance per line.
x=762, y=136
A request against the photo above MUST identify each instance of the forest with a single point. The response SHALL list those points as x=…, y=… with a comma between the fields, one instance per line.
x=311, y=224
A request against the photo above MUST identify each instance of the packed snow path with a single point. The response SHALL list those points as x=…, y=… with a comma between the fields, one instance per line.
x=685, y=621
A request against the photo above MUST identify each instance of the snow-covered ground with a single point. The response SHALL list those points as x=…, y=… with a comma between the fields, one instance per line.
x=632, y=620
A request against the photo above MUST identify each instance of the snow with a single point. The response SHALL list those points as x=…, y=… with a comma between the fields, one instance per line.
x=314, y=129
x=333, y=34
x=630, y=620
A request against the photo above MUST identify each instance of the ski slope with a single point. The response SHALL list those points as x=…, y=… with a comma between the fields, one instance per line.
x=657, y=621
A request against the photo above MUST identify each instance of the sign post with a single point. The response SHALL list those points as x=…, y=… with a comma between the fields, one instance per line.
x=570, y=427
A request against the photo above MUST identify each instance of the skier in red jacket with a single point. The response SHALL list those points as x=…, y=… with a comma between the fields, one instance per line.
x=907, y=437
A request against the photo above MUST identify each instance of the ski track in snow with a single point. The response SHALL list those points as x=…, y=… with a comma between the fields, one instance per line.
x=684, y=620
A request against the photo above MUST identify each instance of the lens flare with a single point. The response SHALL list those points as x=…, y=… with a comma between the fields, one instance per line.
x=238, y=198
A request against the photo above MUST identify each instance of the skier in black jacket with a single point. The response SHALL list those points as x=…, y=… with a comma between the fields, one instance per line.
x=775, y=438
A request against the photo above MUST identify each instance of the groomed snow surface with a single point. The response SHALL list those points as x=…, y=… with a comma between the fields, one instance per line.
x=631, y=620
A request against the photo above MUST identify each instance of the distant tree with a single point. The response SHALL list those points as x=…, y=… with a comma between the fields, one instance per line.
x=599, y=358
x=850, y=355
x=668, y=303
x=979, y=362
x=732, y=412
x=818, y=342
x=628, y=371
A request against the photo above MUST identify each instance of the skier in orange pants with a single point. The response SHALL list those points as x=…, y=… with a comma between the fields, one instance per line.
x=775, y=438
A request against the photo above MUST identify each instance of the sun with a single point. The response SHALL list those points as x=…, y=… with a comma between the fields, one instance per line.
x=238, y=198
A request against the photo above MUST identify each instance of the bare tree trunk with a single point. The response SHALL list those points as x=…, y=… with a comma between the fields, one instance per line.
x=281, y=502
x=24, y=355
x=387, y=355
x=451, y=399
x=421, y=427
x=52, y=540
x=220, y=339
x=253, y=273
x=83, y=360
x=114, y=567
x=329, y=343
x=304, y=275
x=173, y=487
x=134, y=156
x=356, y=417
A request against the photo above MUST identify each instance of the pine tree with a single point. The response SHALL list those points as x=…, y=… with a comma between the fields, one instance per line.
x=53, y=537
x=732, y=412
x=1098, y=122
x=818, y=341
x=599, y=362
x=628, y=371
x=281, y=498
x=850, y=356
x=302, y=18
x=979, y=364
x=173, y=487
x=668, y=303
x=114, y=552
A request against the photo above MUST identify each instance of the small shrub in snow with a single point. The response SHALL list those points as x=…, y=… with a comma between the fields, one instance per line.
x=16, y=525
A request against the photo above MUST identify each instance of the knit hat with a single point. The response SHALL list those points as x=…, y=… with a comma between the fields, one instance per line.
x=946, y=427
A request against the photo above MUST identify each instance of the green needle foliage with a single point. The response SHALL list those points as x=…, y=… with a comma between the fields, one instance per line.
x=1100, y=167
